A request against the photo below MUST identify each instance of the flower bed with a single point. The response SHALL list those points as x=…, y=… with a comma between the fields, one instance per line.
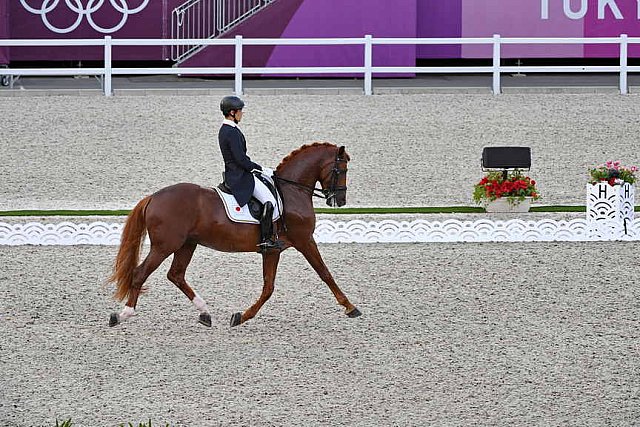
x=613, y=173
x=514, y=187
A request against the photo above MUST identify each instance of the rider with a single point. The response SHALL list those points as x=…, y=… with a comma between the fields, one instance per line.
x=239, y=169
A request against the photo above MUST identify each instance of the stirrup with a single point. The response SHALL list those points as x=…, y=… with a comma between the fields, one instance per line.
x=270, y=244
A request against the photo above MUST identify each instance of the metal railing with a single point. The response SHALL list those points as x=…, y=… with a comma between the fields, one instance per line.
x=367, y=70
x=231, y=12
x=206, y=19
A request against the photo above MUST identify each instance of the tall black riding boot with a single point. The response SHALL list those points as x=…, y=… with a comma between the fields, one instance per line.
x=266, y=230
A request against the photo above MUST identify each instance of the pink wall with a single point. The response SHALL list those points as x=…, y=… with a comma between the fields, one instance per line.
x=4, y=30
x=611, y=26
x=338, y=18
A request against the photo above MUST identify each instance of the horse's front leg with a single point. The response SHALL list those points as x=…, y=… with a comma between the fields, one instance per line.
x=312, y=254
x=270, y=261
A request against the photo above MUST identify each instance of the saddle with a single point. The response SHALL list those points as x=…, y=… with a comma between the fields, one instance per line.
x=251, y=212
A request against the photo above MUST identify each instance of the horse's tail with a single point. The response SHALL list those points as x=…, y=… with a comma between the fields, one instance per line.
x=128, y=257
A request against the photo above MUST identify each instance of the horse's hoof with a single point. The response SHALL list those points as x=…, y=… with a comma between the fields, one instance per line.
x=114, y=319
x=236, y=319
x=205, y=319
x=354, y=313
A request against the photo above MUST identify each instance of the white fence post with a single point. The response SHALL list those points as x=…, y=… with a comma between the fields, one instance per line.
x=496, y=64
x=624, y=70
x=107, y=66
x=238, y=85
x=368, y=62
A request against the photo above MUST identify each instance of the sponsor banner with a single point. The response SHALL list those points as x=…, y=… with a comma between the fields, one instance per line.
x=608, y=18
x=46, y=19
x=518, y=18
x=528, y=18
x=556, y=18
x=79, y=19
x=38, y=19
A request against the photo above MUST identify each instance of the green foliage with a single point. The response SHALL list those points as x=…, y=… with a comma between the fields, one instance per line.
x=66, y=423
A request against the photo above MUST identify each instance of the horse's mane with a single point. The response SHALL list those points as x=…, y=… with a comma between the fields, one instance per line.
x=305, y=147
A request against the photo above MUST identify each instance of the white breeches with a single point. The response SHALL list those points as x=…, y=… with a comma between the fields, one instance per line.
x=262, y=193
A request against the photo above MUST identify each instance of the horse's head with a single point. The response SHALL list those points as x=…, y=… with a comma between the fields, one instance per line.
x=319, y=161
x=333, y=179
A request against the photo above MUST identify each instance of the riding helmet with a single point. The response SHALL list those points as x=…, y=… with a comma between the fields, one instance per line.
x=229, y=103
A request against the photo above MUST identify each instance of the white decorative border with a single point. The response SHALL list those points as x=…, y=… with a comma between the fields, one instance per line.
x=64, y=233
x=357, y=231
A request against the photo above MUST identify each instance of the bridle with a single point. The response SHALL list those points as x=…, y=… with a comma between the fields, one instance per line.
x=324, y=193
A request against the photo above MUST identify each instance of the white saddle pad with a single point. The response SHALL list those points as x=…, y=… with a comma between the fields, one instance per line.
x=237, y=213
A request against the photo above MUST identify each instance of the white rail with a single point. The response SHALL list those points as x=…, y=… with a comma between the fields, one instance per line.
x=367, y=69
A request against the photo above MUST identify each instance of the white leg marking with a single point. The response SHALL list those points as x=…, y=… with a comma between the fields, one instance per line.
x=127, y=312
x=200, y=304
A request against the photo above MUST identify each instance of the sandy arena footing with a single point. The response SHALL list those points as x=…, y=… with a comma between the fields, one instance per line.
x=464, y=334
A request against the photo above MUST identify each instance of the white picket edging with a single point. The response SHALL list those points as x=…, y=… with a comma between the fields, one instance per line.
x=354, y=231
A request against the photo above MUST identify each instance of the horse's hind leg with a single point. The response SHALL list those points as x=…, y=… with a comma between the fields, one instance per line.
x=270, y=261
x=140, y=275
x=181, y=260
x=312, y=255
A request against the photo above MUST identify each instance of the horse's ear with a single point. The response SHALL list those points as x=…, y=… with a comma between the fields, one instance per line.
x=341, y=151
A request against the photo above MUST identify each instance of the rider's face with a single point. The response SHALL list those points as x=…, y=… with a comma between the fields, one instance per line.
x=238, y=115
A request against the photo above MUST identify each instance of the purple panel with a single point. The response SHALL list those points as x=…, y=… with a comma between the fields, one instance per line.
x=4, y=31
x=437, y=18
x=519, y=18
x=268, y=23
x=355, y=18
x=150, y=21
x=615, y=18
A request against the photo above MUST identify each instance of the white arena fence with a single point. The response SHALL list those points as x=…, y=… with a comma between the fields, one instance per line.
x=367, y=70
x=358, y=231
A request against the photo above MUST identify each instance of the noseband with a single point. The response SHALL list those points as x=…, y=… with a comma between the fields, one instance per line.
x=334, y=188
x=324, y=193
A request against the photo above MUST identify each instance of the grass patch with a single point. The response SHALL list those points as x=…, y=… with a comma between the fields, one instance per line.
x=65, y=212
x=561, y=208
x=392, y=210
x=333, y=211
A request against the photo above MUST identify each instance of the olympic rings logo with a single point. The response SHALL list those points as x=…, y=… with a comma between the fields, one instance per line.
x=76, y=7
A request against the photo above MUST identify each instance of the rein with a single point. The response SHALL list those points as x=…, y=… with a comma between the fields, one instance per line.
x=322, y=193
x=315, y=191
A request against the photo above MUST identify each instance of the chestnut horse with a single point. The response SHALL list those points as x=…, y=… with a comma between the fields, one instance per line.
x=180, y=217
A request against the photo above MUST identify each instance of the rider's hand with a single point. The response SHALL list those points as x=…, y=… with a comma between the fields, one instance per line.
x=267, y=171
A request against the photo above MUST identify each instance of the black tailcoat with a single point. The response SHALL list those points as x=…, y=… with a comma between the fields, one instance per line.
x=237, y=165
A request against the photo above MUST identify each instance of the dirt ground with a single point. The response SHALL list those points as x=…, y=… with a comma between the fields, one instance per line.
x=451, y=334
x=93, y=152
